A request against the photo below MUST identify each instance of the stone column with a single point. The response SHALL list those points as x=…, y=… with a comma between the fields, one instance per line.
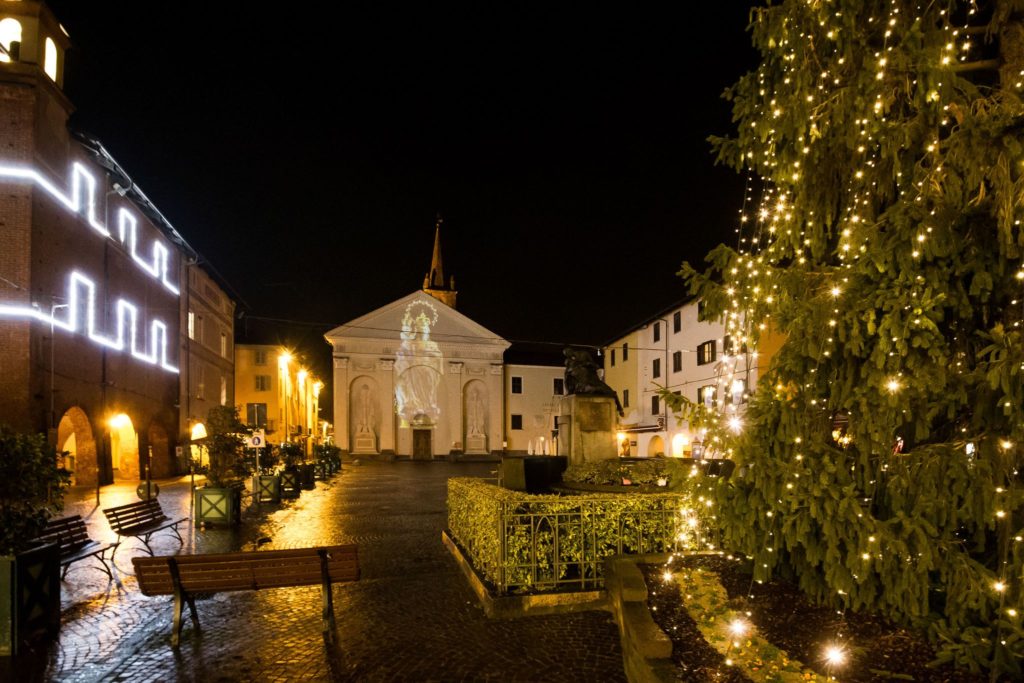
x=386, y=373
x=341, y=421
x=456, y=383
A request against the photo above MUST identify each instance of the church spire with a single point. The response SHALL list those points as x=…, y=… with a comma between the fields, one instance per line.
x=433, y=282
x=436, y=266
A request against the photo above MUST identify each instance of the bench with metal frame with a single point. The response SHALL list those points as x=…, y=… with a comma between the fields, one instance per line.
x=141, y=520
x=183, y=576
x=73, y=538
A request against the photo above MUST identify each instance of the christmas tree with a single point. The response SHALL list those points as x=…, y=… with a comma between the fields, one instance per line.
x=879, y=456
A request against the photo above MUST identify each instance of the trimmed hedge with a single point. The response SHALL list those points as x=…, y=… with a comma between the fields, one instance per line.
x=521, y=542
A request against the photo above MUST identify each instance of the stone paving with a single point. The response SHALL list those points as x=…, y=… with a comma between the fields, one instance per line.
x=410, y=618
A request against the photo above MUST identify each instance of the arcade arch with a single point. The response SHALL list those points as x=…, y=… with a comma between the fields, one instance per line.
x=74, y=435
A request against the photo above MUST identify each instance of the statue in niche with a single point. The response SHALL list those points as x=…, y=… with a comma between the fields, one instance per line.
x=476, y=412
x=418, y=367
x=364, y=406
x=581, y=377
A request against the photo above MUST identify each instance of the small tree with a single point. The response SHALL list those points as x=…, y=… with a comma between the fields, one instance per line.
x=31, y=488
x=225, y=446
x=291, y=453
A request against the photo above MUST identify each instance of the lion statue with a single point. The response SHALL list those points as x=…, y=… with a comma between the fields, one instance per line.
x=581, y=377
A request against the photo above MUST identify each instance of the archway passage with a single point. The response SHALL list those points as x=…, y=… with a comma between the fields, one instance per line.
x=655, y=447
x=74, y=435
x=124, y=448
x=161, y=463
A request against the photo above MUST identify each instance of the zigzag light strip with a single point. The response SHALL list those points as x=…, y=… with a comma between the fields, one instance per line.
x=83, y=201
x=127, y=318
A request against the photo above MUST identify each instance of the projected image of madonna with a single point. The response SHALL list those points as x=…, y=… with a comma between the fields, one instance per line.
x=418, y=368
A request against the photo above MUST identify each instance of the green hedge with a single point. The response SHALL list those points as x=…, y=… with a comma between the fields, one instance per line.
x=521, y=542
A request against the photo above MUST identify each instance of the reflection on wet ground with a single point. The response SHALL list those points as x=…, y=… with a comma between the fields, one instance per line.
x=411, y=617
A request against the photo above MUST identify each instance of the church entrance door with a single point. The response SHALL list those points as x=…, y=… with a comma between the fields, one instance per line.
x=421, y=449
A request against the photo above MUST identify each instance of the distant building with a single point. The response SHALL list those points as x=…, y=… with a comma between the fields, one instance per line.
x=534, y=386
x=92, y=278
x=276, y=392
x=679, y=350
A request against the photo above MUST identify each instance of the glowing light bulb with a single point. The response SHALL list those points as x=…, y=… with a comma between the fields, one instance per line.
x=835, y=655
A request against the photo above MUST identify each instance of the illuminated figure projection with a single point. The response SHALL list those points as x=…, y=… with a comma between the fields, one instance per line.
x=418, y=367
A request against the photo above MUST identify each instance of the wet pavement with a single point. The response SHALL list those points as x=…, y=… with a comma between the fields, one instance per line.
x=410, y=618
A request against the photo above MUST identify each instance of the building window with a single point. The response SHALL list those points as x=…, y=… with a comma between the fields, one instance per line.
x=223, y=345
x=702, y=313
x=50, y=59
x=677, y=321
x=199, y=329
x=256, y=414
x=191, y=325
x=517, y=421
x=517, y=385
x=262, y=382
x=657, y=331
x=706, y=352
x=259, y=357
x=223, y=390
x=625, y=352
x=707, y=396
x=10, y=36
x=655, y=405
x=625, y=398
x=737, y=391
x=559, y=387
x=677, y=361
x=656, y=367
x=613, y=358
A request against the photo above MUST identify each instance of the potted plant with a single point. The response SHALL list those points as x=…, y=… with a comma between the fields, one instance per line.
x=266, y=484
x=220, y=501
x=329, y=457
x=31, y=490
x=291, y=478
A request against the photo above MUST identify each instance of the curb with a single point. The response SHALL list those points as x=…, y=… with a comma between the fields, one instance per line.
x=646, y=650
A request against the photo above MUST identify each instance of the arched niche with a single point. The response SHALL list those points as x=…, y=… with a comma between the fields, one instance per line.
x=655, y=447
x=475, y=411
x=364, y=412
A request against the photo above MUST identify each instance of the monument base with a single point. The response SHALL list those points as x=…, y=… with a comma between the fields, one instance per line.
x=476, y=444
x=365, y=443
x=586, y=429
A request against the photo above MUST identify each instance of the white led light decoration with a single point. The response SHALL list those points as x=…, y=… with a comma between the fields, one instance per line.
x=82, y=201
x=127, y=316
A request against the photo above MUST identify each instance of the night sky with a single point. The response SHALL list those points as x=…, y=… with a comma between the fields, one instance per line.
x=305, y=154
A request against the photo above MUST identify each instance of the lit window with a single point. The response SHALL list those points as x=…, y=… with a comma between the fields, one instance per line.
x=707, y=395
x=706, y=352
x=262, y=382
x=223, y=345
x=10, y=33
x=50, y=59
x=191, y=325
x=223, y=390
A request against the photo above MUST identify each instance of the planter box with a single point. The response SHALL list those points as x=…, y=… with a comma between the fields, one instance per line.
x=307, y=477
x=267, y=488
x=216, y=506
x=321, y=470
x=290, y=484
x=29, y=596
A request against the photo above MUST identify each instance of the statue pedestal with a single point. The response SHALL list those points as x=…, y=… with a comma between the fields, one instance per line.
x=365, y=442
x=476, y=444
x=586, y=429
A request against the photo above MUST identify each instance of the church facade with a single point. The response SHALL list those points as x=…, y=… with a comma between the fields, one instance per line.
x=417, y=378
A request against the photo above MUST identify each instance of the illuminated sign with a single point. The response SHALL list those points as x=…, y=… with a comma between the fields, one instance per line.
x=82, y=309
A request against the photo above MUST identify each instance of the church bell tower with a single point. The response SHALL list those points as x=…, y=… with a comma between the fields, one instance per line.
x=433, y=282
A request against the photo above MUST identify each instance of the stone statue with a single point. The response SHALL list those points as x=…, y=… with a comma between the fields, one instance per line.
x=581, y=377
x=476, y=410
x=364, y=411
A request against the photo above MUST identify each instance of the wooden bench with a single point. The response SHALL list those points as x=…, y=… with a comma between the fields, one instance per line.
x=73, y=538
x=141, y=520
x=185, y=575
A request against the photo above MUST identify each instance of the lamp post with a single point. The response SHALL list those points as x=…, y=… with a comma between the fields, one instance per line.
x=282, y=364
x=53, y=343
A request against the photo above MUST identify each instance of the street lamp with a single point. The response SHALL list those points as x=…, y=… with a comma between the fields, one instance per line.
x=282, y=364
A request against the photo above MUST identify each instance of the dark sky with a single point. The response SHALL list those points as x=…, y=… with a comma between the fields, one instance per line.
x=305, y=154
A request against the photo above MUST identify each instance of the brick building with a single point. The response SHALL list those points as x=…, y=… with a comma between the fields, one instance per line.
x=91, y=277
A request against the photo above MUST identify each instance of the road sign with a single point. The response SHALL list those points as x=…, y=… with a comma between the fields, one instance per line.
x=257, y=440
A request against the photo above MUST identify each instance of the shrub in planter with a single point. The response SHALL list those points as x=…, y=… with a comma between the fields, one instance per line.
x=31, y=489
x=220, y=501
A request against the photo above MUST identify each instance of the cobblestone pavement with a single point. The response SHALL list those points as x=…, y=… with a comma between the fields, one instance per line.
x=410, y=618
